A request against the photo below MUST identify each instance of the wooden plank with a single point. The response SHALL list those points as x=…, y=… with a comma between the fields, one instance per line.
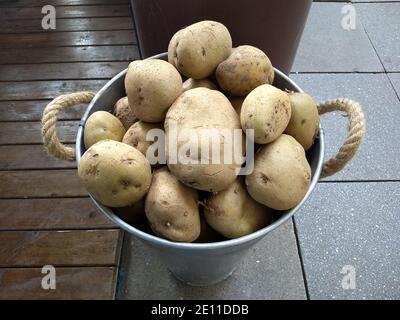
x=40, y=3
x=78, y=24
x=17, y=157
x=40, y=184
x=59, y=248
x=39, y=90
x=73, y=283
x=51, y=214
x=67, y=12
x=69, y=54
x=33, y=110
x=30, y=132
x=60, y=71
x=75, y=38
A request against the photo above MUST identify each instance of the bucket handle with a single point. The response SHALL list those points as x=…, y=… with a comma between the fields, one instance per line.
x=51, y=143
x=355, y=133
x=352, y=109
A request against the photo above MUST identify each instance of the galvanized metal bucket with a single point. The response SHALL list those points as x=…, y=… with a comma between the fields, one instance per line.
x=198, y=264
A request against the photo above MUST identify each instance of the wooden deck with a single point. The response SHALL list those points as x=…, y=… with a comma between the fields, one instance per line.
x=46, y=217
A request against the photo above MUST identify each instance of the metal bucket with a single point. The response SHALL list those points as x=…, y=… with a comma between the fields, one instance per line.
x=198, y=264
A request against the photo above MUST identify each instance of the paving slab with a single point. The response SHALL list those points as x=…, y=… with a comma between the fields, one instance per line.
x=382, y=24
x=272, y=270
x=378, y=157
x=351, y=228
x=327, y=47
x=395, y=80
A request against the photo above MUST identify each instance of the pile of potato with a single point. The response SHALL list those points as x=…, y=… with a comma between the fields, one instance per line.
x=225, y=88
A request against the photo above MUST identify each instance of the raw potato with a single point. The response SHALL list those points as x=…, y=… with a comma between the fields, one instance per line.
x=152, y=86
x=124, y=113
x=304, y=122
x=196, y=110
x=198, y=49
x=172, y=208
x=115, y=174
x=132, y=214
x=193, y=83
x=136, y=135
x=233, y=213
x=267, y=111
x=246, y=68
x=281, y=175
x=102, y=125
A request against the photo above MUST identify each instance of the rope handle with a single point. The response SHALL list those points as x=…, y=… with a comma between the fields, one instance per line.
x=51, y=143
x=353, y=110
x=355, y=133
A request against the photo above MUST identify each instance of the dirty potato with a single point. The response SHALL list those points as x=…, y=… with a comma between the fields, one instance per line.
x=115, y=174
x=195, y=114
x=198, y=49
x=281, y=175
x=233, y=213
x=304, y=121
x=172, y=208
x=267, y=111
x=152, y=86
x=136, y=135
x=246, y=68
x=124, y=113
x=102, y=125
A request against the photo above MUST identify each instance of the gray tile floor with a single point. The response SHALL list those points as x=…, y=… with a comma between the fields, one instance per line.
x=350, y=224
x=351, y=220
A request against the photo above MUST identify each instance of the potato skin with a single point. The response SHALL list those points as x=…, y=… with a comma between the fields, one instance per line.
x=136, y=135
x=233, y=213
x=152, y=86
x=115, y=174
x=281, y=175
x=246, y=68
x=193, y=83
x=304, y=122
x=267, y=111
x=102, y=125
x=172, y=208
x=124, y=113
x=197, y=49
x=198, y=109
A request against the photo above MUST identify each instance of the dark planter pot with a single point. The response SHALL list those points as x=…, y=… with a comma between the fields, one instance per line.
x=274, y=26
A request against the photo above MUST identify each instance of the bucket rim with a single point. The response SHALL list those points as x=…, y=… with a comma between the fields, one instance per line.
x=160, y=242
